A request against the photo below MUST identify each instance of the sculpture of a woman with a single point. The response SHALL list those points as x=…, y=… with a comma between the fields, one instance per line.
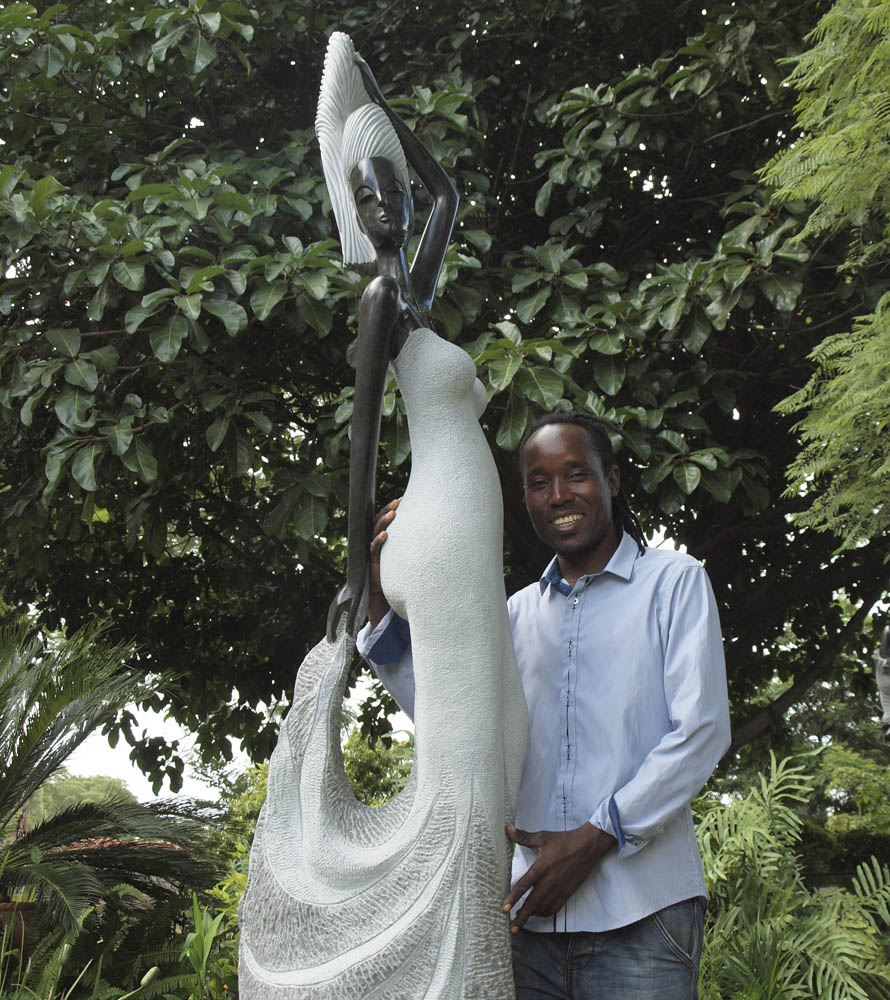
x=403, y=901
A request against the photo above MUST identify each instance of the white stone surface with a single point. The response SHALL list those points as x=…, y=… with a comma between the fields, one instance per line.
x=403, y=902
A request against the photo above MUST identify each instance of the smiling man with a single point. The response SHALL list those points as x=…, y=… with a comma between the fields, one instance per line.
x=621, y=661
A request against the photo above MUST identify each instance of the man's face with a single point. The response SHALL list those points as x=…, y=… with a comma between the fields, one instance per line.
x=568, y=495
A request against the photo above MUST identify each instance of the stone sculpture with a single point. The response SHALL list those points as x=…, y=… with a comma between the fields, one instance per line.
x=403, y=901
x=881, y=656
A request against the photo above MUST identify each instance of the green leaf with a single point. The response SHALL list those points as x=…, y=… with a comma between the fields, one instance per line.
x=608, y=342
x=542, y=200
x=81, y=373
x=264, y=300
x=609, y=374
x=781, y=290
x=72, y=408
x=49, y=60
x=130, y=274
x=200, y=280
x=541, y=385
x=524, y=278
x=260, y=421
x=576, y=279
x=65, y=340
x=233, y=316
x=166, y=340
x=57, y=458
x=396, y=442
x=204, y=54
x=140, y=459
x=670, y=316
x=83, y=468
x=510, y=331
x=312, y=518
x=216, y=432
x=276, y=522
x=513, y=422
x=120, y=435
x=211, y=22
x=315, y=282
x=687, y=476
x=316, y=314
x=696, y=331
x=706, y=459
x=528, y=308
x=42, y=190
x=480, y=239
x=26, y=414
x=501, y=371
x=189, y=304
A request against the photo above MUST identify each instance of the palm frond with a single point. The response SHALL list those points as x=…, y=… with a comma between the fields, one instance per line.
x=53, y=694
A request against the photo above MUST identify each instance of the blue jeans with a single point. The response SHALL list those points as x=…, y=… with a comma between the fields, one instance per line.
x=654, y=959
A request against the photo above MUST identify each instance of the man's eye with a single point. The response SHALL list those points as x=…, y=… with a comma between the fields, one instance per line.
x=576, y=476
x=536, y=484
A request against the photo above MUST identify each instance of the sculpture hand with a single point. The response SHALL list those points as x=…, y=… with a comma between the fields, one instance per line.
x=377, y=602
x=563, y=862
x=370, y=82
x=344, y=603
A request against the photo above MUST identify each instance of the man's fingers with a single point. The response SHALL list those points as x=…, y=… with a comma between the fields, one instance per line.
x=520, y=888
x=533, y=840
x=376, y=543
x=522, y=914
x=387, y=509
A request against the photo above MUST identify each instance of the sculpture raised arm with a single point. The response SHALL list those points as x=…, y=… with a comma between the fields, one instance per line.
x=374, y=144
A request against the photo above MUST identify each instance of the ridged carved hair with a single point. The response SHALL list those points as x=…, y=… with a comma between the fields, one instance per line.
x=351, y=128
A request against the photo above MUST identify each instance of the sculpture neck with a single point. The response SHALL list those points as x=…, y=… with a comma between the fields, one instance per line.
x=395, y=264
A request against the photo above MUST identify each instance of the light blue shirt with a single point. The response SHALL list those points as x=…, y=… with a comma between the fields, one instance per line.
x=628, y=716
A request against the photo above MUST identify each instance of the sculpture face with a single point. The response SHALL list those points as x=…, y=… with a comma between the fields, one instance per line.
x=382, y=204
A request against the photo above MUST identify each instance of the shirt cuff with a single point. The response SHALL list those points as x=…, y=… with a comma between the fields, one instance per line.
x=386, y=642
x=608, y=819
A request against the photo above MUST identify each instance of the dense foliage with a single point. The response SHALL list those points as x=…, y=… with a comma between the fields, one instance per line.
x=175, y=385
x=769, y=935
x=839, y=162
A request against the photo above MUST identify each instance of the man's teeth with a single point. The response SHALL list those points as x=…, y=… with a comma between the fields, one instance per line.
x=566, y=519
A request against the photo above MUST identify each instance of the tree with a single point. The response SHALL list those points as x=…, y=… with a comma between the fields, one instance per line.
x=94, y=870
x=839, y=164
x=177, y=328
x=62, y=791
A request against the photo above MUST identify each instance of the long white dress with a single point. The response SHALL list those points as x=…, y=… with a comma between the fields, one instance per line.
x=403, y=902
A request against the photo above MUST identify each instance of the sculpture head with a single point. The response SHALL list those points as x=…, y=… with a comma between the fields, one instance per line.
x=351, y=131
x=382, y=205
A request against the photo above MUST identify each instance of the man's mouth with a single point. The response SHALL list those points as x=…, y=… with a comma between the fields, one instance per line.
x=565, y=520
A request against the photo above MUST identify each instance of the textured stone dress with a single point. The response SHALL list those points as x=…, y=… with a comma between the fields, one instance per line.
x=344, y=901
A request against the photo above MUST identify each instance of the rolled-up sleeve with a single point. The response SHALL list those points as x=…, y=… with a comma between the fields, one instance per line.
x=387, y=651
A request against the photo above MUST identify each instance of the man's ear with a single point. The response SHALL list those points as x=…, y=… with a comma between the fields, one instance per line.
x=614, y=480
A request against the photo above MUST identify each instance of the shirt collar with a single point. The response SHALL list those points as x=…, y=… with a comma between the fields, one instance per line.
x=621, y=565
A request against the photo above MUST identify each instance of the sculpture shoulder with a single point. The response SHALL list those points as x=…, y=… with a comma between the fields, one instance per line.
x=382, y=287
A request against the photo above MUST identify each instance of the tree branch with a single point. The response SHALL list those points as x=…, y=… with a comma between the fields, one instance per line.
x=765, y=717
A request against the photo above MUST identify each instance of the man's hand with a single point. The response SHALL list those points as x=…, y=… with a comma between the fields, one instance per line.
x=377, y=602
x=564, y=860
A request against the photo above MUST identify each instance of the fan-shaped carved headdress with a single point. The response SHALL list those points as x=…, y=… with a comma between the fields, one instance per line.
x=350, y=128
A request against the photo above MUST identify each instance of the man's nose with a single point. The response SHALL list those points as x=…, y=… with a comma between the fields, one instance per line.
x=559, y=492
